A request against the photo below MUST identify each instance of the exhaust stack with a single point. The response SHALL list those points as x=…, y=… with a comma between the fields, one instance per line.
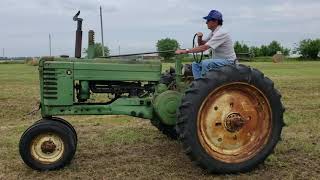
x=78, y=45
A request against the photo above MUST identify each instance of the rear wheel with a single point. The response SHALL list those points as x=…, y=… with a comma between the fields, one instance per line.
x=169, y=131
x=47, y=145
x=231, y=120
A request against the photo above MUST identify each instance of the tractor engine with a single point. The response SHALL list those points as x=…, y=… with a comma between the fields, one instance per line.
x=114, y=89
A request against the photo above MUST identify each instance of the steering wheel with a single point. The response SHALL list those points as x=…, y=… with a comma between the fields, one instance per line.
x=195, y=44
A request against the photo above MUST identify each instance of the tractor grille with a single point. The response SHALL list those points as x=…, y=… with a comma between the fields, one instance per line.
x=50, y=85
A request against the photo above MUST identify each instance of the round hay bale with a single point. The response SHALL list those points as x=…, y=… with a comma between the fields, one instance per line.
x=279, y=57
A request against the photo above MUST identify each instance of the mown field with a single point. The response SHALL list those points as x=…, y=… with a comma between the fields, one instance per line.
x=121, y=147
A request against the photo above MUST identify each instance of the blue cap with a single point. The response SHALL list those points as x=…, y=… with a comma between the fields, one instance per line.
x=214, y=14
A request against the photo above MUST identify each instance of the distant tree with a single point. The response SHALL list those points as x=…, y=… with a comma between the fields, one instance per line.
x=237, y=47
x=166, y=45
x=273, y=48
x=98, y=50
x=264, y=50
x=309, y=48
x=245, y=48
x=286, y=51
x=241, y=47
x=255, y=51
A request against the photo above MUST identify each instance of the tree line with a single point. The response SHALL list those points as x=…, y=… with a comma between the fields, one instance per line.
x=264, y=50
x=308, y=48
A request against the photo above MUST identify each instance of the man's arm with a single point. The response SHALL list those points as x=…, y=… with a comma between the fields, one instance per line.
x=201, y=48
x=213, y=43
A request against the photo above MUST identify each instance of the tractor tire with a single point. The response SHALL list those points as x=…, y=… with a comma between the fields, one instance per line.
x=47, y=145
x=230, y=120
x=169, y=131
x=58, y=119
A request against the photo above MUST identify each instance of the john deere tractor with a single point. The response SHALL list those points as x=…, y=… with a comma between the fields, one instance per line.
x=229, y=121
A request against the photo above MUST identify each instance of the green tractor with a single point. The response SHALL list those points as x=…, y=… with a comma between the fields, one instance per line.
x=229, y=121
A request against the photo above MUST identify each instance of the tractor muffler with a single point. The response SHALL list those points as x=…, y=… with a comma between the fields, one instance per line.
x=78, y=35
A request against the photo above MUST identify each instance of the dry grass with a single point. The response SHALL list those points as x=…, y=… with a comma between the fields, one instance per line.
x=121, y=147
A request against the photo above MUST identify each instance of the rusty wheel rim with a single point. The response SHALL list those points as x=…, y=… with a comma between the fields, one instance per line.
x=47, y=148
x=234, y=122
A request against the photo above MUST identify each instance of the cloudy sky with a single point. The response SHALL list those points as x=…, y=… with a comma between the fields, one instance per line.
x=136, y=25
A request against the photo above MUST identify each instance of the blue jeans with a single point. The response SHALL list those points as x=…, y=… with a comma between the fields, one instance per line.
x=201, y=68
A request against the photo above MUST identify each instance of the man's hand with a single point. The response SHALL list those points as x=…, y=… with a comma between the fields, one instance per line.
x=199, y=34
x=200, y=41
x=181, y=51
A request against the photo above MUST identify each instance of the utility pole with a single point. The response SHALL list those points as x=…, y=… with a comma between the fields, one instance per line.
x=3, y=52
x=101, y=31
x=50, y=44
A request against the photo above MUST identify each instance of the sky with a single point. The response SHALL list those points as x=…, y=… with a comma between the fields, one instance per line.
x=136, y=25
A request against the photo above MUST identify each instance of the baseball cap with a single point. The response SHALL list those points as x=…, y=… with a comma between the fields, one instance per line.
x=213, y=14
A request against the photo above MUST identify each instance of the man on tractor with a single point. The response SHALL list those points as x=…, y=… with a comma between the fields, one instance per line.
x=218, y=40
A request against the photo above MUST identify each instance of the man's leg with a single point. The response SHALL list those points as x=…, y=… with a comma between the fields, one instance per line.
x=204, y=66
x=196, y=70
x=214, y=64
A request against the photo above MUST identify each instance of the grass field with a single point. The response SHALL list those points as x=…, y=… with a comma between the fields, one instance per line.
x=121, y=147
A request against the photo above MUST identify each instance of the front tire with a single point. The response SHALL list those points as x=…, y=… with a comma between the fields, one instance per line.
x=230, y=120
x=63, y=121
x=47, y=145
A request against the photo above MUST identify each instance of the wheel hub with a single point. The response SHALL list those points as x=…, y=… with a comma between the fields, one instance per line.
x=48, y=147
x=234, y=122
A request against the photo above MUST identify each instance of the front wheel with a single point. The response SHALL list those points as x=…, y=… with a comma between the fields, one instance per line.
x=47, y=145
x=69, y=125
x=231, y=119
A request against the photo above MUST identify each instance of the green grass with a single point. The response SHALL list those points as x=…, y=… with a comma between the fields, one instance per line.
x=12, y=61
x=121, y=147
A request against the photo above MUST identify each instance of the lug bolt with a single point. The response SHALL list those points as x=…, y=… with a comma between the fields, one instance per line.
x=235, y=137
